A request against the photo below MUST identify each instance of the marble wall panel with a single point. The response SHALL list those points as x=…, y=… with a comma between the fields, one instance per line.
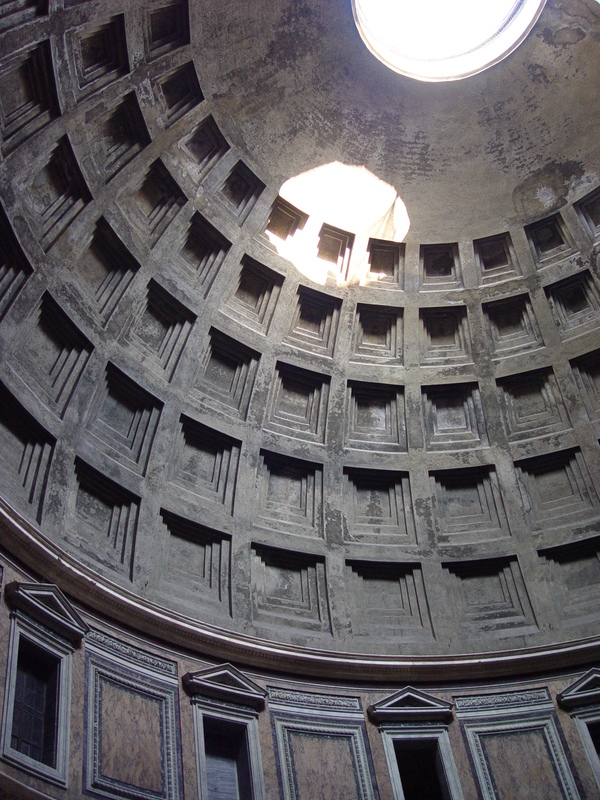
x=323, y=756
x=132, y=736
x=519, y=757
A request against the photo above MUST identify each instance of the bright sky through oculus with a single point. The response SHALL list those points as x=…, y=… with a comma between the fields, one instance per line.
x=436, y=40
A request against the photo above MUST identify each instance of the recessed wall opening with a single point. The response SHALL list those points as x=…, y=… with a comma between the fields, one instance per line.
x=594, y=731
x=34, y=720
x=421, y=772
x=227, y=760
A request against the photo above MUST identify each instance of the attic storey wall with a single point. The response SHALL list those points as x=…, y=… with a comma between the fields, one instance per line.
x=131, y=725
x=407, y=466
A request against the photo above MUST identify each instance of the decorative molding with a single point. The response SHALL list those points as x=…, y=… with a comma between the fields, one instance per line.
x=134, y=656
x=584, y=692
x=304, y=700
x=46, y=604
x=225, y=682
x=586, y=719
x=410, y=705
x=506, y=701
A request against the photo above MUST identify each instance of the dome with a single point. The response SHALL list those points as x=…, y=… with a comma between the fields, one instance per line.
x=390, y=464
x=299, y=407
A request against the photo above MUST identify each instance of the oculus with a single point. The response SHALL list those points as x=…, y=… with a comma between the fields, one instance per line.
x=438, y=40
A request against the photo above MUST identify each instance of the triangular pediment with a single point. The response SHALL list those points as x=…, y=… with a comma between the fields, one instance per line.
x=584, y=692
x=410, y=705
x=45, y=603
x=225, y=682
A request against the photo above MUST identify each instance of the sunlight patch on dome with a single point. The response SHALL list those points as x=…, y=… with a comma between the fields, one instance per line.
x=345, y=206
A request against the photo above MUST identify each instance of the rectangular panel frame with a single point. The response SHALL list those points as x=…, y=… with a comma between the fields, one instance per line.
x=141, y=679
x=475, y=731
x=332, y=726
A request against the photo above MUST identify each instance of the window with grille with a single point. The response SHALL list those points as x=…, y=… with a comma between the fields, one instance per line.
x=33, y=731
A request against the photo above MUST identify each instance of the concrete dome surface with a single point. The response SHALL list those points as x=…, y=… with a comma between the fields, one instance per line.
x=299, y=401
x=404, y=465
